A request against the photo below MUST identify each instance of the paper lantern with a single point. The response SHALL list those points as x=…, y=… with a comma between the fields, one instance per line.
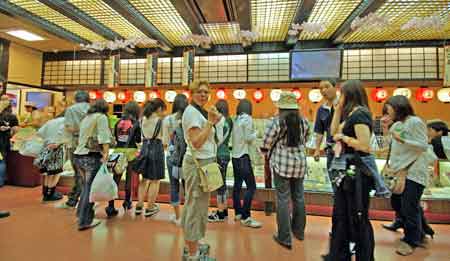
x=154, y=95
x=109, y=97
x=379, y=94
x=258, y=95
x=170, y=96
x=186, y=93
x=221, y=95
x=424, y=94
x=275, y=95
x=298, y=94
x=444, y=95
x=315, y=96
x=139, y=96
x=403, y=91
x=122, y=96
x=240, y=94
x=93, y=95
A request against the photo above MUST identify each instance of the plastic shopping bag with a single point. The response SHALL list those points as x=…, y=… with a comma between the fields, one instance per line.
x=103, y=187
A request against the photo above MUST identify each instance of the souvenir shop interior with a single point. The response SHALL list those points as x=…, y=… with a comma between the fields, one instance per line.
x=138, y=50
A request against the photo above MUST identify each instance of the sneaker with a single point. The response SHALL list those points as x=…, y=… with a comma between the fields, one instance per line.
x=94, y=223
x=64, y=205
x=138, y=210
x=238, y=217
x=174, y=220
x=54, y=197
x=250, y=222
x=215, y=217
x=404, y=249
x=151, y=211
x=202, y=248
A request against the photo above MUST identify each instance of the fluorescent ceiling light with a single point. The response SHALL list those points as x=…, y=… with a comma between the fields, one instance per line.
x=25, y=35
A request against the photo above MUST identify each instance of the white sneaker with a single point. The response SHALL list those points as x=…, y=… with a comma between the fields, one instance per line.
x=250, y=222
x=238, y=217
x=174, y=220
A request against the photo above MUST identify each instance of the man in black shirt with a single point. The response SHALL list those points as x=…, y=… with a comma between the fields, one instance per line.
x=323, y=121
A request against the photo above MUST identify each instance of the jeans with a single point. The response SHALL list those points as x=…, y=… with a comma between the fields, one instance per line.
x=174, y=184
x=75, y=193
x=88, y=165
x=351, y=224
x=2, y=172
x=290, y=188
x=408, y=206
x=222, y=191
x=243, y=172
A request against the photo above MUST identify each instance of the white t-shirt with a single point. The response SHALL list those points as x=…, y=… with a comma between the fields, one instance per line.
x=192, y=118
x=243, y=135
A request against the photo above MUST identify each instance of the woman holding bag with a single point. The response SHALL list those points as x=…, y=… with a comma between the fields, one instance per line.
x=409, y=150
x=92, y=151
x=202, y=131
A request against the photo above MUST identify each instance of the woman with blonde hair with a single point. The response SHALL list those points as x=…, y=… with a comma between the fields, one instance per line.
x=202, y=129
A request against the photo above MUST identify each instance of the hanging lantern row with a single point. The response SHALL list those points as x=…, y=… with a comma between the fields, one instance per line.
x=378, y=94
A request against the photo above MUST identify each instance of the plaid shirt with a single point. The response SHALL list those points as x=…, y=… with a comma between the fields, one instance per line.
x=288, y=162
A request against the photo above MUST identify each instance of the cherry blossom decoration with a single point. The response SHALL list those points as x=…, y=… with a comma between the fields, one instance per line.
x=203, y=41
x=418, y=23
x=370, y=22
x=307, y=27
x=248, y=37
x=119, y=44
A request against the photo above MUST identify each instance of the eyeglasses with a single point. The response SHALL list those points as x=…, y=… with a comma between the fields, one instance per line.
x=202, y=92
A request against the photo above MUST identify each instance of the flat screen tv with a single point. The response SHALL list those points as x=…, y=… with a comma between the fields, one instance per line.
x=41, y=99
x=315, y=64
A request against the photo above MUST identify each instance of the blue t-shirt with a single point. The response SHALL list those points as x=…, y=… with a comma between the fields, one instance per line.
x=322, y=124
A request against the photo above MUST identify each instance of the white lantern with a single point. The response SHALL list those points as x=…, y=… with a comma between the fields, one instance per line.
x=275, y=95
x=315, y=95
x=444, y=95
x=170, y=96
x=239, y=94
x=109, y=97
x=403, y=91
x=139, y=96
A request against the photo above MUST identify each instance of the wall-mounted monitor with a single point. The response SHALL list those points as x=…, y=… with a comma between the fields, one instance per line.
x=41, y=99
x=315, y=64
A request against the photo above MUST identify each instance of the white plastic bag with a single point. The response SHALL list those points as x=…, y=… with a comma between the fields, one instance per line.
x=103, y=187
x=32, y=147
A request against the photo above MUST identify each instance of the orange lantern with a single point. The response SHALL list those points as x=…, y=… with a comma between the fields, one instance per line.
x=122, y=96
x=424, y=94
x=258, y=95
x=93, y=95
x=154, y=95
x=379, y=94
x=186, y=93
x=221, y=95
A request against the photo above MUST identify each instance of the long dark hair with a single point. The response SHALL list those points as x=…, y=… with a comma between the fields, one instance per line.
x=290, y=121
x=244, y=106
x=131, y=110
x=152, y=106
x=439, y=125
x=179, y=104
x=401, y=106
x=355, y=96
x=222, y=107
x=99, y=106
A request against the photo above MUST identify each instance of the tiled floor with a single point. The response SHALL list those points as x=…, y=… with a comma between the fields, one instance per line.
x=37, y=231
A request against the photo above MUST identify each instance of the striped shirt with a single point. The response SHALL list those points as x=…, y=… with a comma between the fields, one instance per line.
x=288, y=162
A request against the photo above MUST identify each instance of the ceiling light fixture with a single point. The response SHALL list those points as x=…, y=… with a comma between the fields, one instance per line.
x=25, y=35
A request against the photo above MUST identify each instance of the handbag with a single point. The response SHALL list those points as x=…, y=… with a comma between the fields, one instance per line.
x=395, y=181
x=140, y=163
x=117, y=163
x=50, y=159
x=210, y=175
x=92, y=143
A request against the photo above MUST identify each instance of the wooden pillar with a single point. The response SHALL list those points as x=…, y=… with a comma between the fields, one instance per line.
x=4, y=61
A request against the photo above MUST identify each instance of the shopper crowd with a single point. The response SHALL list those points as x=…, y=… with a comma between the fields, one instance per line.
x=195, y=135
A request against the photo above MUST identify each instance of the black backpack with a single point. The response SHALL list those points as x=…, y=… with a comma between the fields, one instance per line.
x=179, y=147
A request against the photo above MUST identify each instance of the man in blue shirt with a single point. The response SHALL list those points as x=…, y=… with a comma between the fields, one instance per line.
x=323, y=121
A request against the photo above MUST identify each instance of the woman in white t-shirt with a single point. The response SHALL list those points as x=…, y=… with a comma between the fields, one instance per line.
x=202, y=131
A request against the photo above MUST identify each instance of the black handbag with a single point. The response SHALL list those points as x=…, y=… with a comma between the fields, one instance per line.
x=140, y=163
